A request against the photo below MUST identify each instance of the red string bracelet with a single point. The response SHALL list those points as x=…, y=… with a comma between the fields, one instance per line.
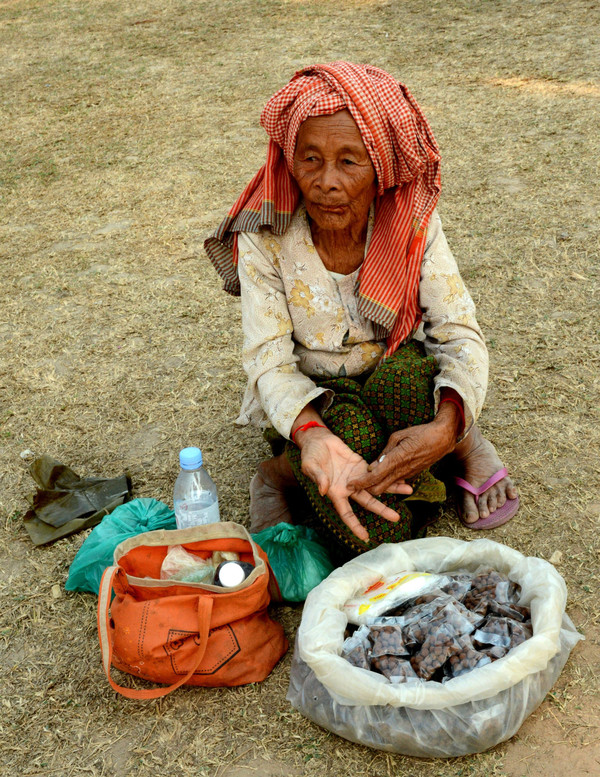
x=309, y=425
x=449, y=395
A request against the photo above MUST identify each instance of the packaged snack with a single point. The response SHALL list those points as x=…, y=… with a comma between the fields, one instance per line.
x=390, y=592
x=459, y=585
x=437, y=648
x=507, y=591
x=466, y=659
x=423, y=612
x=425, y=598
x=356, y=649
x=387, y=640
x=417, y=621
x=444, y=610
x=494, y=652
x=404, y=673
x=478, y=602
x=393, y=666
x=358, y=656
x=515, y=612
x=457, y=618
x=495, y=631
x=490, y=584
x=519, y=632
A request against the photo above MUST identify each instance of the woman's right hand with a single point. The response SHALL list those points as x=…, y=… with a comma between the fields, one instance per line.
x=332, y=465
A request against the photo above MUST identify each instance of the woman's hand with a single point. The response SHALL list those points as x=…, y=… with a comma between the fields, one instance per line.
x=410, y=451
x=332, y=465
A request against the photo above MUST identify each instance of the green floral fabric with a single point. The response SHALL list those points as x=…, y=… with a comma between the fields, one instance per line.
x=364, y=414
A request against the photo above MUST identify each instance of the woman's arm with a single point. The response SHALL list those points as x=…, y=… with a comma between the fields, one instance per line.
x=452, y=334
x=268, y=358
x=453, y=337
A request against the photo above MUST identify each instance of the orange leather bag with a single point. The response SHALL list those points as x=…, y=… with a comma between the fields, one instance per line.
x=176, y=633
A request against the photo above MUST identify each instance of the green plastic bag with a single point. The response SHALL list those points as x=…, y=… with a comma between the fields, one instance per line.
x=297, y=557
x=96, y=553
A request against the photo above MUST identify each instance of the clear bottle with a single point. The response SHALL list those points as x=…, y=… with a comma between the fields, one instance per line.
x=195, y=495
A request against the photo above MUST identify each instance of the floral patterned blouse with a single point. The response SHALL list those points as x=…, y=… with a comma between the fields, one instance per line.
x=301, y=321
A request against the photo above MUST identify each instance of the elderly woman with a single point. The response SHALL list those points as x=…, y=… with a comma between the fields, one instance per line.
x=365, y=363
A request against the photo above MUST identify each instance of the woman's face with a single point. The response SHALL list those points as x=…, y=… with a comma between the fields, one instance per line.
x=334, y=171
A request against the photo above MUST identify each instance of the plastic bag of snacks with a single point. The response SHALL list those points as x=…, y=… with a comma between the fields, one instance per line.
x=463, y=666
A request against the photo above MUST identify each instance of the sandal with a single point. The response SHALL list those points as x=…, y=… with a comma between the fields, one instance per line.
x=502, y=515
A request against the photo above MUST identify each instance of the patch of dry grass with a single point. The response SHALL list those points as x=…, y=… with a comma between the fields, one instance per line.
x=128, y=130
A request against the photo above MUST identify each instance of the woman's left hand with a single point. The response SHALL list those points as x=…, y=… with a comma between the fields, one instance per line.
x=410, y=451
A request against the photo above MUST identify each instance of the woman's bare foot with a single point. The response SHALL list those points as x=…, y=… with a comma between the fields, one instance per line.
x=268, y=503
x=477, y=461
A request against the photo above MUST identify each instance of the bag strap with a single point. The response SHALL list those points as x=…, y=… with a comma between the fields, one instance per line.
x=205, y=604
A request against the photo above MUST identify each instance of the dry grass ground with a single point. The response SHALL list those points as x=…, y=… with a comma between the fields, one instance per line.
x=127, y=129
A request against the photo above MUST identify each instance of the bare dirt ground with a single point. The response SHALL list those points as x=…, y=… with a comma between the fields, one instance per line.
x=127, y=130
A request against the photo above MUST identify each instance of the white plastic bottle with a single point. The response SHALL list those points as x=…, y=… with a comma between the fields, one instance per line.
x=195, y=495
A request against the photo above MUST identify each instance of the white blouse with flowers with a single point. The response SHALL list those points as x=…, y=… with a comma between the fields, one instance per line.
x=301, y=321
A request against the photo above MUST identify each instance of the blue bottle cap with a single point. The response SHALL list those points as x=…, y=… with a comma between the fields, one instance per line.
x=190, y=458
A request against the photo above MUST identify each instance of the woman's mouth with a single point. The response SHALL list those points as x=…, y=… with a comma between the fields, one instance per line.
x=331, y=208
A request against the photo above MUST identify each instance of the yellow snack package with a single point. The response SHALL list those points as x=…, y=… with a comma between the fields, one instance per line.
x=390, y=592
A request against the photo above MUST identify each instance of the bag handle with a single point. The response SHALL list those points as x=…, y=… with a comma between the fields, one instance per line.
x=205, y=604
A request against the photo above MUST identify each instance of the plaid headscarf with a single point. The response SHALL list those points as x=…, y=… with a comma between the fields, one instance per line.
x=406, y=159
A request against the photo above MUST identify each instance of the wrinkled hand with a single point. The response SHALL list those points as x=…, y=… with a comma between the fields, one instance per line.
x=332, y=465
x=407, y=453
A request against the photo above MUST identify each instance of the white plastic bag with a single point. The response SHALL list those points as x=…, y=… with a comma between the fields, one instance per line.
x=178, y=564
x=467, y=714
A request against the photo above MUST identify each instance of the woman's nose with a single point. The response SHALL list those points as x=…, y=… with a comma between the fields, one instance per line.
x=329, y=178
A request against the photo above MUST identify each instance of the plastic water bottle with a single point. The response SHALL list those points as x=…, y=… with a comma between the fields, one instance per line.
x=195, y=495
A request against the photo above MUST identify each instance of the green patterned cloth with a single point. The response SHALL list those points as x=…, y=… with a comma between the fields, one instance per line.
x=364, y=414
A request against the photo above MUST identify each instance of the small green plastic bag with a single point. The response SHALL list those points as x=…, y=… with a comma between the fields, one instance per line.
x=297, y=557
x=96, y=553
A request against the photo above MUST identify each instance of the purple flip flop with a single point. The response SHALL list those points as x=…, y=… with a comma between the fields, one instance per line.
x=498, y=517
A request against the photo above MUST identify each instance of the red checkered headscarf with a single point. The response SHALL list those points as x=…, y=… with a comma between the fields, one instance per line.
x=406, y=159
